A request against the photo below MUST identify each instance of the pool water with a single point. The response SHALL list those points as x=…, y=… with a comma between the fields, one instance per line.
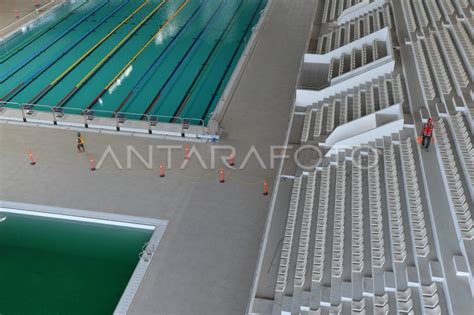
x=55, y=266
x=171, y=58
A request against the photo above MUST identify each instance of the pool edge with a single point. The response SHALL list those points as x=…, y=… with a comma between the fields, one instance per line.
x=146, y=256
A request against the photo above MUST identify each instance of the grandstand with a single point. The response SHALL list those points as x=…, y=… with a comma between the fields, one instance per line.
x=378, y=225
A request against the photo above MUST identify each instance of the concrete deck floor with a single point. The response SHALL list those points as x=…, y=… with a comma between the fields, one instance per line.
x=207, y=257
x=7, y=9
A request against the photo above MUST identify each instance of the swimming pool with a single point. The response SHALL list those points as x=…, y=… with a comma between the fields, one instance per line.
x=154, y=58
x=76, y=263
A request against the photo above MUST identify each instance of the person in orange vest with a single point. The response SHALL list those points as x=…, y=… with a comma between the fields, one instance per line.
x=80, y=143
x=427, y=134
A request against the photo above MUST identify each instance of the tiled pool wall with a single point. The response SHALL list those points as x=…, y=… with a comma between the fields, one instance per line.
x=99, y=221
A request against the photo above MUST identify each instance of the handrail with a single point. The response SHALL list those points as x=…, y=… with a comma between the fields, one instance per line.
x=115, y=118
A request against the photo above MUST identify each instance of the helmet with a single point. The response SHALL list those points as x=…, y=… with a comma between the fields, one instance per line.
x=78, y=134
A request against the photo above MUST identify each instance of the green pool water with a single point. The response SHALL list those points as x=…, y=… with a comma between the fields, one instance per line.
x=54, y=266
x=170, y=57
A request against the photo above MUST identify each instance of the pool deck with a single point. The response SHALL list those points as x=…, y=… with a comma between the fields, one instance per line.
x=207, y=257
x=25, y=8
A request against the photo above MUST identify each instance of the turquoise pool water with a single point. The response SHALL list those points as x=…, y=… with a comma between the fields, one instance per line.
x=55, y=266
x=169, y=58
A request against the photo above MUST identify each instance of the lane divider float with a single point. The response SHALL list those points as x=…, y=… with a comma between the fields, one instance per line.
x=109, y=55
x=27, y=60
x=122, y=71
x=152, y=68
x=196, y=40
x=20, y=87
x=202, y=69
x=58, y=79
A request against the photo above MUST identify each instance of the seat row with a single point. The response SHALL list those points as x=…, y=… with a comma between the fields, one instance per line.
x=334, y=8
x=423, y=70
x=438, y=65
x=433, y=10
x=339, y=213
x=409, y=16
x=368, y=249
x=421, y=13
x=305, y=235
x=463, y=141
x=394, y=204
x=354, y=30
x=358, y=58
x=415, y=205
x=455, y=185
x=464, y=41
x=363, y=100
x=454, y=59
x=321, y=226
x=375, y=210
x=430, y=11
x=284, y=265
x=357, y=259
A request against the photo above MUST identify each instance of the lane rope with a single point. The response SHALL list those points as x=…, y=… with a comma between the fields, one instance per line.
x=51, y=43
x=20, y=87
x=109, y=55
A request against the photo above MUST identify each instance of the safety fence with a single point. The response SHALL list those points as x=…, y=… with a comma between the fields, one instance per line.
x=105, y=120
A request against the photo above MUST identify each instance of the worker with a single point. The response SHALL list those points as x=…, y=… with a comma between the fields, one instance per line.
x=427, y=134
x=80, y=143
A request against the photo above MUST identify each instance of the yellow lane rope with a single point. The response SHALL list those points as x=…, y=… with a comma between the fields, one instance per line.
x=75, y=64
x=181, y=7
x=119, y=45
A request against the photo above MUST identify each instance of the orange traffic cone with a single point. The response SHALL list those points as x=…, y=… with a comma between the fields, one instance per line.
x=231, y=160
x=162, y=169
x=265, y=187
x=91, y=163
x=221, y=175
x=31, y=158
x=186, y=153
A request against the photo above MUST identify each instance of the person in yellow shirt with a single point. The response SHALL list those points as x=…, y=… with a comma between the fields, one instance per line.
x=80, y=143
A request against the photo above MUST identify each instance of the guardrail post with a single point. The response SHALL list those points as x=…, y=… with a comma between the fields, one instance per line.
x=84, y=114
x=149, y=124
x=23, y=112
x=183, y=134
x=55, y=122
x=117, y=126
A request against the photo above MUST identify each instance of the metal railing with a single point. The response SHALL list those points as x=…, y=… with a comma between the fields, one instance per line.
x=100, y=119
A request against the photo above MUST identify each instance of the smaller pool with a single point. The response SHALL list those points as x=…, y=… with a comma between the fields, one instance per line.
x=58, y=264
